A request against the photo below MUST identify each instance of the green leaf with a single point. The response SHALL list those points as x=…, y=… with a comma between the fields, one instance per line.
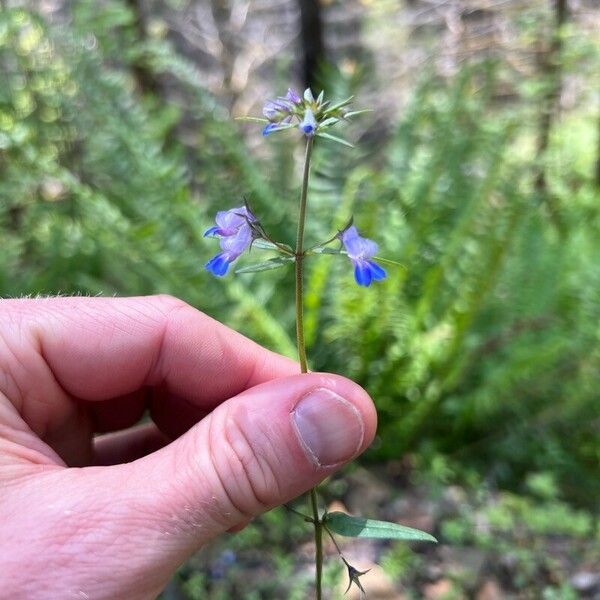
x=388, y=261
x=359, y=527
x=252, y=119
x=328, y=122
x=340, y=104
x=325, y=250
x=354, y=113
x=264, y=245
x=334, y=138
x=267, y=265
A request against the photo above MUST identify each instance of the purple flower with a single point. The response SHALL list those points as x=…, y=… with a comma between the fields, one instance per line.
x=360, y=250
x=277, y=109
x=282, y=107
x=233, y=227
x=308, y=126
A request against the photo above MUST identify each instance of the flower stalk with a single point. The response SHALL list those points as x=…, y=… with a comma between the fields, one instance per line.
x=238, y=229
x=299, y=263
x=314, y=505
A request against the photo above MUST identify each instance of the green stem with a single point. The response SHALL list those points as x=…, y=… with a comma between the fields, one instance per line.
x=300, y=259
x=300, y=254
x=318, y=542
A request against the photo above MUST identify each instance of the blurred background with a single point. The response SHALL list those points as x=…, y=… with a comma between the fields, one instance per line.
x=478, y=170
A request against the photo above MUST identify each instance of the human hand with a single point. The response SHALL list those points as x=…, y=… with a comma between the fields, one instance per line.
x=234, y=432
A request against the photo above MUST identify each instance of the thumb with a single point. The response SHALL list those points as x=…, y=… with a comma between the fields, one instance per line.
x=257, y=450
x=121, y=531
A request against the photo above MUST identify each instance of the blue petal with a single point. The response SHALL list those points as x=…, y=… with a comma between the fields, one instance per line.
x=270, y=128
x=377, y=272
x=218, y=265
x=362, y=273
x=212, y=231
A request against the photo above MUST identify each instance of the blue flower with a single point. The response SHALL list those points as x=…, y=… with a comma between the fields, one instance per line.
x=308, y=126
x=234, y=228
x=360, y=250
x=276, y=126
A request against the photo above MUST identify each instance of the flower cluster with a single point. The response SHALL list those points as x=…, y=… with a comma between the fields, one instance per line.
x=238, y=228
x=308, y=114
x=234, y=228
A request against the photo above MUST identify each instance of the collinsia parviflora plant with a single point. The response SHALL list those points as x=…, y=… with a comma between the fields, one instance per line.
x=239, y=229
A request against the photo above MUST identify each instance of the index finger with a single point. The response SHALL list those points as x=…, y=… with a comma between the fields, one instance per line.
x=102, y=348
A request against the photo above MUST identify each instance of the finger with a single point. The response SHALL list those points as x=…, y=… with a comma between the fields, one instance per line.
x=129, y=445
x=102, y=348
x=257, y=450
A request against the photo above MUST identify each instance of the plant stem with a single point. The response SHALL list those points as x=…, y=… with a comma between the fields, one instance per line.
x=318, y=542
x=300, y=259
x=299, y=253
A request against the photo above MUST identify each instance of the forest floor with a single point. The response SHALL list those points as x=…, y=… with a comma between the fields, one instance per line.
x=492, y=545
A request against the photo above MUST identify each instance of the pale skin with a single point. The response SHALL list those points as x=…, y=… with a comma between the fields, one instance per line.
x=231, y=434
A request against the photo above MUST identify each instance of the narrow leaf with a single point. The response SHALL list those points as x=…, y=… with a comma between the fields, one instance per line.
x=340, y=104
x=266, y=245
x=334, y=138
x=359, y=527
x=267, y=265
x=325, y=250
x=354, y=113
x=328, y=122
x=252, y=119
x=388, y=261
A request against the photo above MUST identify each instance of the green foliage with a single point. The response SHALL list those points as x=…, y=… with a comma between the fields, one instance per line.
x=486, y=345
x=530, y=537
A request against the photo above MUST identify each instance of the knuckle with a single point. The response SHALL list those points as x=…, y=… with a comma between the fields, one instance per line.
x=245, y=463
x=169, y=302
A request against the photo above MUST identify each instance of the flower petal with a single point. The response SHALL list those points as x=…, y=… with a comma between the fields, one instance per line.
x=230, y=220
x=377, y=272
x=218, y=265
x=351, y=241
x=362, y=273
x=216, y=230
x=237, y=243
x=357, y=246
x=270, y=128
x=293, y=96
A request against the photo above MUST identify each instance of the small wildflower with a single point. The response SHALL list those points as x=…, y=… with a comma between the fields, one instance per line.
x=308, y=126
x=360, y=250
x=236, y=233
